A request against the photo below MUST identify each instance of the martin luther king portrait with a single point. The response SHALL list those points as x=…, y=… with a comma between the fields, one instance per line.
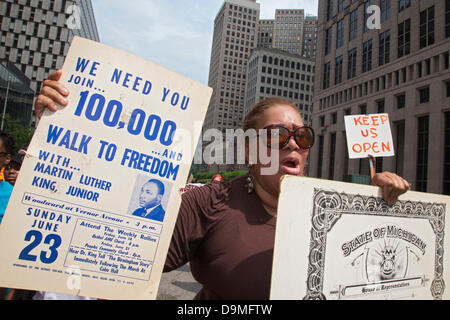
x=150, y=197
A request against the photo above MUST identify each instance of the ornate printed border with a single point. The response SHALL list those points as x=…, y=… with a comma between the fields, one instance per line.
x=328, y=208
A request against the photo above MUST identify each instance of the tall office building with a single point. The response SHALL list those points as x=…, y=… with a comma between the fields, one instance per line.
x=277, y=73
x=309, y=45
x=402, y=69
x=288, y=33
x=265, y=33
x=35, y=35
x=235, y=35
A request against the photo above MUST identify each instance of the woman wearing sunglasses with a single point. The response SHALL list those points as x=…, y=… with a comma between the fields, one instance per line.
x=226, y=230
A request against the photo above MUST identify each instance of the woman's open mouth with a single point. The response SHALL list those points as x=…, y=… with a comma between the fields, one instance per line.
x=290, y=165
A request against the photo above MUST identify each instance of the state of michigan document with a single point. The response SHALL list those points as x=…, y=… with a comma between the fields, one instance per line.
x=338, y=240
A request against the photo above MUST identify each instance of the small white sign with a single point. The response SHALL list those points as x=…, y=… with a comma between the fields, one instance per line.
x=369, y=135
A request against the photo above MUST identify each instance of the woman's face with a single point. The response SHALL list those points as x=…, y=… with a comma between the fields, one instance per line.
x=292, y=158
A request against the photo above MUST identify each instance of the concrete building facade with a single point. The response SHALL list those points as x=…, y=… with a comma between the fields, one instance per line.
x=310, y=28
x=265, y=33
x=276, y=73
x=401, y=68
x=290, y=31
x=235, y=35
x=35, y=35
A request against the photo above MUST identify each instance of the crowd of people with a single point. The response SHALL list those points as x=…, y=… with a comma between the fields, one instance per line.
x=10, y=163
x=225, y=230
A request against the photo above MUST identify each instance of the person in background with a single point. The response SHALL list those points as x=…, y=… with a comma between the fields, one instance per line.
x=12, y=169
x=6, y=151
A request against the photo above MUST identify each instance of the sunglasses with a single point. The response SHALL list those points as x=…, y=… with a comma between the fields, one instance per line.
x=303, y=136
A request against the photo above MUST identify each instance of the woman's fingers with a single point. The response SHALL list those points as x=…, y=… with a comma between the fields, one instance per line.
x=391, y=184
x=52, y=92
x=41, y=103
x=55, y=75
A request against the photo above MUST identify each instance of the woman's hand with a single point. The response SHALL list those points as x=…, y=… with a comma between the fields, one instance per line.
x=392, y=186
x=52, y=92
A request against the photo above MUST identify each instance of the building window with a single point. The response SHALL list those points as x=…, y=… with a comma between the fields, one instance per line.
x=326, y=75
x=401, y=101
x=424, y=95
x=366, y=15
x=353, y=26
x=447, y=86
x=404, y=38
x=340, y=34
x=322, y=121
x=332, y=156
x=379, y=164
x=320, y=160
x=334, y=118
x=446, y=189
x=340, y=5
x=384, y=46
x=329, y=9
x=367, y=56
x=400, y=146
x=351, y=71
x=426, y=28
x=328, y=40
x=380, y=106
x=385, y=10
x=447, y=18
x=422, y=154
x=403, y=4
x=338, y=70
x=363, y=109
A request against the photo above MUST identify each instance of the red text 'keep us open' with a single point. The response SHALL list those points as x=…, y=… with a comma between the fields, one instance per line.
x=368, y=134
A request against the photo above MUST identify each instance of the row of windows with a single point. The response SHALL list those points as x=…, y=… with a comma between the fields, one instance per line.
x=243, y=9
x=426, y=31
x=385, y=6
x=39, y=32
x=288, y=64
x=404, y=46
x=286, y=84
x=285, y=93
x=412, y=72
x=41, y=6
x=239, y=21
x=423, y=96
x=239, y=15
x=292, y=75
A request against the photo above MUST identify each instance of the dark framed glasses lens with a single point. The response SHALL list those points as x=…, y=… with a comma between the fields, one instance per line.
x=304, y=137
x=277, y=134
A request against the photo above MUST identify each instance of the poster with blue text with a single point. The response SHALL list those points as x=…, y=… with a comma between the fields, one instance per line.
x=93, y=210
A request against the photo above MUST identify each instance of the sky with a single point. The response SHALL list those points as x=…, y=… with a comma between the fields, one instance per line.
x=176, y=34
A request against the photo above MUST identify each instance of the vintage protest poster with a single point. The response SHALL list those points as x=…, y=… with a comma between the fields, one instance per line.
x=339, y=241
x=93, y=210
